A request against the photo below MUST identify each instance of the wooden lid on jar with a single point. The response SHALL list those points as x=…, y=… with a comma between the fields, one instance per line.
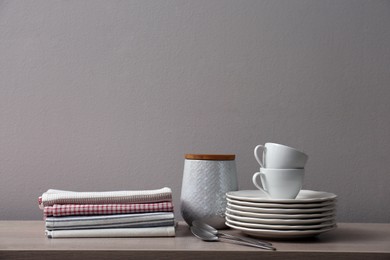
x=211, y=157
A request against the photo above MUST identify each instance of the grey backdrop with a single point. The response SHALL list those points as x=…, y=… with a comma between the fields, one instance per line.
x=110, y=95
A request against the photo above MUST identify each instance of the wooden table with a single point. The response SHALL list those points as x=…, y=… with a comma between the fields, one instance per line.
x=26, y=240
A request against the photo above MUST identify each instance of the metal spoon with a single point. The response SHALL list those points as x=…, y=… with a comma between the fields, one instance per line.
x=210, y=237
x=204, y=226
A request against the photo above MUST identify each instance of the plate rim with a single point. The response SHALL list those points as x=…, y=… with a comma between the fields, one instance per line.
x=281, y=234
x=282, y=205
x=230, y=194
x=281, y=211
x=286, y=216
x=281, y=221
x=282, y=227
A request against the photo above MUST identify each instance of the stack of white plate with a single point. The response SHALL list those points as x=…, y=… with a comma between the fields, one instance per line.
x=254, y=213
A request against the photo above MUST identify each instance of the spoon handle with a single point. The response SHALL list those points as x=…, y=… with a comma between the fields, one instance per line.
x=238, y=242
x=245, y=239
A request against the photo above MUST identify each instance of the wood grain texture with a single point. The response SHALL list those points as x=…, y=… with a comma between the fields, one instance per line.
x=26, y=240
x=211, y=157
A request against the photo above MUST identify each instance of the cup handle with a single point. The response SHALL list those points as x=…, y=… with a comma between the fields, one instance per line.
x=254, y=180
x=257, y=156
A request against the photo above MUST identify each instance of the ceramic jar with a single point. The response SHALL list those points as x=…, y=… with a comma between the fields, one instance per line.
x=206, y=179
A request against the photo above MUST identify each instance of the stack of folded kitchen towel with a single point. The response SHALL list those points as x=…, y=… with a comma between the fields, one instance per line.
x=141, y=213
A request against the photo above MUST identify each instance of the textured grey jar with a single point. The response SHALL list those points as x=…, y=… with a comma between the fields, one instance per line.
x=206, y=179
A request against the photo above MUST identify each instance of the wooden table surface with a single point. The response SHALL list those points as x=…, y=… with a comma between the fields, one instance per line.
x=26, y=240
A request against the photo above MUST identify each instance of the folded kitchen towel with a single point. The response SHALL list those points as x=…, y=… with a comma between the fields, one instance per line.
x=52, y=197
x=113, y=232
x=59, y=210
x=148, y=224
x=111, y=221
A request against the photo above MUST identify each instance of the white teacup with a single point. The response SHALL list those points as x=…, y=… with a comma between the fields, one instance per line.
x=280, y=183
x=278, y=156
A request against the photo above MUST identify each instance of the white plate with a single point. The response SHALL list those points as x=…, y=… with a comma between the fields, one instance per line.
x=280, y=221
x=279, y=211
x=280, y=216
x=304, y=196
x=280, y=234
x=281, y=205
x=280, y=227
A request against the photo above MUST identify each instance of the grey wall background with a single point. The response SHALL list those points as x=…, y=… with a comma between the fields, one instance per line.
x=110, y=95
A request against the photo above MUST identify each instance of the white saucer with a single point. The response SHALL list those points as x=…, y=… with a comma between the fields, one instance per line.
x=280, y=227
x=280, y=216
x=280, y=221
x=304, y=196
x=281, y=205
x=279, y=211
x=281, y=234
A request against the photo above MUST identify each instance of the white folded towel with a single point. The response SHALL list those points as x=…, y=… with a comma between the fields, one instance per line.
x=113, y=232
x=52, y=197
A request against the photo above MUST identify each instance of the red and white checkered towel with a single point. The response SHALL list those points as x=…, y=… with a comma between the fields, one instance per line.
x=52, y=197
x=105, y=209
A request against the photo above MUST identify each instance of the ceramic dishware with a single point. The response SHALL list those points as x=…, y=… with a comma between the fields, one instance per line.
x=280, y=183
x=279, y=156
x=281, y=234
x=206, y=179
x=254, y=213
x=304, y=197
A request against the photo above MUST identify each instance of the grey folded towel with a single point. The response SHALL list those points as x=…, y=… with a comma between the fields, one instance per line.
x=153, y=219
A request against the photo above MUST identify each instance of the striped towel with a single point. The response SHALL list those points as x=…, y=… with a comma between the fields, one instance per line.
x=52, y=197
x=143, y=220
x=105, y=209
